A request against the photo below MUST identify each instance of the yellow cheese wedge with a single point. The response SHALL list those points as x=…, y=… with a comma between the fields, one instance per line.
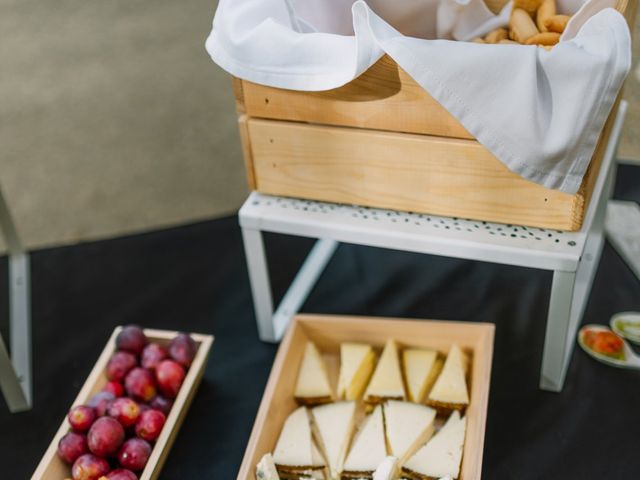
x=441, y=456
x=386, y=382
x=266, y=469
x=387, y=470
x=334, y=424
x=312, y=386
x=357, y=361
x=296, y=451
x=450, y=390
x=421, y=368
x=408, y=426
x=369, y=448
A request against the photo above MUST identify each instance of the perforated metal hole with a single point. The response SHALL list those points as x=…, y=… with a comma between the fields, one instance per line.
x=420, y=222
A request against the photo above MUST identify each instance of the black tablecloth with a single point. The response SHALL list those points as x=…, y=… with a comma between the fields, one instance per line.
x=194, y=278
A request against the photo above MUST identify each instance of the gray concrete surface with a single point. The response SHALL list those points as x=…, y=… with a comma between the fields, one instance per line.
x=114, y=120
x=630, y=144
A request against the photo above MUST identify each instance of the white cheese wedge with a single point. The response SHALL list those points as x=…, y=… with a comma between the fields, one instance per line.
x=266, y=469
x=334, y=424
x=441, y=456
x=450, y=390
x=312, y=386
x=386, y=382
x=408, y=426
x=295, y=449
x=421, y=368
x=357, y=361
x=369, y=448
x=387, y=469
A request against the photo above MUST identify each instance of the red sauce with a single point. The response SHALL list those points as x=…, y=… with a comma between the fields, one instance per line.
x=604, y=342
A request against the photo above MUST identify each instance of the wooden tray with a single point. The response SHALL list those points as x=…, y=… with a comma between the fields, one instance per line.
x=51, y=467
x=327, y=332
x=406, y=152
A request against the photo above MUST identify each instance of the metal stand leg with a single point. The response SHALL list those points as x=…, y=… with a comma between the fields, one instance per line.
x=259, y=281
x=569, y=296
x=306, y=278
x=271, y=326
x=15, y=371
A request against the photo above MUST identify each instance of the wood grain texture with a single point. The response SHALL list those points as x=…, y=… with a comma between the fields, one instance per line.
x=52, y=468
x=384, y=97
x=476, y=339
x=583, y=197
x=418, y=173
x=247, y=151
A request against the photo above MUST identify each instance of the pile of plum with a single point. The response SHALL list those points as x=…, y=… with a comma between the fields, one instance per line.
x=112, y=435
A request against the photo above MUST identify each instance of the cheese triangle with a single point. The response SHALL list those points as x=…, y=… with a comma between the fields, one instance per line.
x=441, y=456
x=295, y=449
x=357, y=361
x=386, y=382
x=312, y=386
x=408, y=426
x=387, y=470
x=421, y=368
x=450, y=390
x=266, y=469
x=334, y=424
x=369, y=448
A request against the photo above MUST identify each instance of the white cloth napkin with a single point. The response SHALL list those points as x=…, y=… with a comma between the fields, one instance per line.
x=539, y=112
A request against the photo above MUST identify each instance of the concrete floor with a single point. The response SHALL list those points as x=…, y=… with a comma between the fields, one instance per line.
x=114, y=119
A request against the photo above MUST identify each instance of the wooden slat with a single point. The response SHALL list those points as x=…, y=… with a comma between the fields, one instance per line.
x=247, y=154
x=583, y=197
x=329, y=331
x=385, y=97
x=51, y=467
x=419, y=173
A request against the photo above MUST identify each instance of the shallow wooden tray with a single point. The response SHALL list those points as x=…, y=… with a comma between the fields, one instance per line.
x=329, y=331
x=52, y=468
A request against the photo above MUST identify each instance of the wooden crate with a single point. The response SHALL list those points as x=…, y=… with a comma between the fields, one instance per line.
x=406, y=153
x=327, y=332
x=51, y=467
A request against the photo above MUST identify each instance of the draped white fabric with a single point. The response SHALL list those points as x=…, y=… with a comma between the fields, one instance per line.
x=539, y=112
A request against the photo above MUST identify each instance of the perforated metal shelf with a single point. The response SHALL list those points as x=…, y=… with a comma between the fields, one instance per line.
x=455, y=237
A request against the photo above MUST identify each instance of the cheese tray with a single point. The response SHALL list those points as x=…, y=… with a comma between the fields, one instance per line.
x=373, y=398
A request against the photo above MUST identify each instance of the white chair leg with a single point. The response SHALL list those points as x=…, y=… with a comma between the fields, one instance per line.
x=20, y=323
x=15, y=370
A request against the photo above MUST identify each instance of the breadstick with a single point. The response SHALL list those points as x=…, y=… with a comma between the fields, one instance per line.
x=557, y=23
x=478, y=40
x=496, y=35
x=546, y=10
x=508, y=42
x=529, y=6
x=522, y=26
x=495, y=5
x=545, y=38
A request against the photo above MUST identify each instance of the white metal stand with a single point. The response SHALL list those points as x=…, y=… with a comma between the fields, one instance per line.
x=15, y=370
x=572, y=256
